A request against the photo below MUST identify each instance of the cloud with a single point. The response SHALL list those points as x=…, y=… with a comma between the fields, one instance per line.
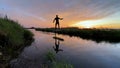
x=77, y=10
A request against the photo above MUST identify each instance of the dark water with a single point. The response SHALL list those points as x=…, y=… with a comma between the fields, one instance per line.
x=79, y=52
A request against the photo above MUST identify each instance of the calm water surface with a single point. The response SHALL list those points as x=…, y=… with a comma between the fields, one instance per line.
x=79, y=52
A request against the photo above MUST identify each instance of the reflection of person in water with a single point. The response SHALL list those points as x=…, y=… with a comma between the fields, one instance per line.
x=57, y=43
x=57, y=21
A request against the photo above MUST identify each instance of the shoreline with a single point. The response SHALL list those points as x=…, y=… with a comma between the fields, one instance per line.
x=13, y=39
x=98, y=35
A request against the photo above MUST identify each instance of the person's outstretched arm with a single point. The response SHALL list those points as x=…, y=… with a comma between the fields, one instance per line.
x=61, y=18
x=53, y=20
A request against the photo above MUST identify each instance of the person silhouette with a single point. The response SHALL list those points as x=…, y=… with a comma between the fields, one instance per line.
x=57, y=23
x=57, y=43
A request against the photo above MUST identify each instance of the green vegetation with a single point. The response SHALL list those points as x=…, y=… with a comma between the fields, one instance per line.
x=54, y=63
x=50, y=56
x=98, y=35
x=13, y=38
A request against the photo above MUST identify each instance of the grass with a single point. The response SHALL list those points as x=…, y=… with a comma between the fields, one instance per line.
x=98, y=35
x=13, y=38
x=16, y=34
x=50, y=56
x=61, y=65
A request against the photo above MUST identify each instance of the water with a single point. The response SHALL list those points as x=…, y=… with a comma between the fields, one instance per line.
x=79, y=52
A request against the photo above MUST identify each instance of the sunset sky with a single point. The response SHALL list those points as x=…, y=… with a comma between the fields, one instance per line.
x=80, y=13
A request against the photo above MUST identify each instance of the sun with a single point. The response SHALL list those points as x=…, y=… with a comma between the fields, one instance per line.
x=87, y=27
x=85, y=24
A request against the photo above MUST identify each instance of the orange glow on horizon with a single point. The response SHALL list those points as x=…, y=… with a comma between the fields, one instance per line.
x=95, y=24
x=85, y=24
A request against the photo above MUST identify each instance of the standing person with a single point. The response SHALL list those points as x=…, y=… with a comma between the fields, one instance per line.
x=57, y=21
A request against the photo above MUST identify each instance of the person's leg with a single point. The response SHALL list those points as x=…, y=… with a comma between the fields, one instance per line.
x=58, y=25
x=55, y=25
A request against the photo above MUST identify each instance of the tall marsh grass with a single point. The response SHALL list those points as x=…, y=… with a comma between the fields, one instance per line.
x=13, y=38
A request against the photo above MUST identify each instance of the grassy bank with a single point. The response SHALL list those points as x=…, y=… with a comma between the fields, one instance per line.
x=13, y=38
x=98, y=35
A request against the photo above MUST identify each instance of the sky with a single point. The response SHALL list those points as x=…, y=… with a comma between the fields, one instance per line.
x=75, y=13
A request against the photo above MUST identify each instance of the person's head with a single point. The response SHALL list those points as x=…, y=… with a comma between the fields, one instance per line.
x=56, y=15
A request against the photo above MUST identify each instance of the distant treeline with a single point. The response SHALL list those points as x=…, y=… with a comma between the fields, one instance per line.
x=98, y=35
